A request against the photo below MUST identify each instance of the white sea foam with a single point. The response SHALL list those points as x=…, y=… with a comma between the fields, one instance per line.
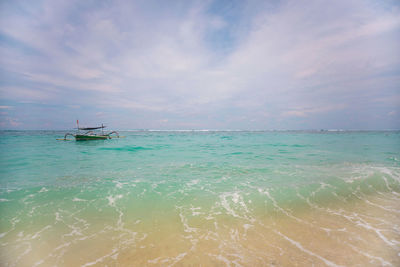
x=299, y=246
x=25, y=252
x=178, y=258
x=75, y=199
x=381, y=207
x=234, y=205
x=113, y=199
x=195, y=211
x=222, y=258
x=275, y=204
x=374, y=258
x=247, y=226
x=37, y=234
x=226, y=206
x=38, y=263
x=185, y=224
x=377, y=231
x=58, y=216
x=357, y=220
x=119, y=184
x=112, y=254
x=44, y=189
x=235, y=197
x=193, y=182
x=234, y=234
x=168, y=261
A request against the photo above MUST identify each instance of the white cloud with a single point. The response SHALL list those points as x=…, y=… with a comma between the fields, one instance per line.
x=306, y=111
x=26, y=94
x=296, y=59
x=9, y=122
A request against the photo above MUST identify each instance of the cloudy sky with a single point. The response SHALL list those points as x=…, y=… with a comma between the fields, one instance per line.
x=200, y=64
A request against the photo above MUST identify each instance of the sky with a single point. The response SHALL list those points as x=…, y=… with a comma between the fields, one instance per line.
x=249, y=65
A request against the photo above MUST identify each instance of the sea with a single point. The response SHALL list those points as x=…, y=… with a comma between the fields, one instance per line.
x=201, y=198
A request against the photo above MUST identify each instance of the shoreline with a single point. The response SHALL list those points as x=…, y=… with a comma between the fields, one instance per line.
x=317, y=235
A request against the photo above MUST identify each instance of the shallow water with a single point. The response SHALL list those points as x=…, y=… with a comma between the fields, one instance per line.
x=210, y=198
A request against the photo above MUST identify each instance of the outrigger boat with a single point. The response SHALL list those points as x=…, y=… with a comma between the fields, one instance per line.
x=90, y=134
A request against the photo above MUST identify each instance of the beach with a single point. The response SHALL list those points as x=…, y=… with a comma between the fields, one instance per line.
x=209, y=198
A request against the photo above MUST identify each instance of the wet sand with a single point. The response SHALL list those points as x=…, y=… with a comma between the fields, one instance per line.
x=362, y=231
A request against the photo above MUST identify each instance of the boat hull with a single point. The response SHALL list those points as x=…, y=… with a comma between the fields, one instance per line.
x=81, y=137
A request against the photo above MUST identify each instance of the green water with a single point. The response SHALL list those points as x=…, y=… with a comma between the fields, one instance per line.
x=149, y=183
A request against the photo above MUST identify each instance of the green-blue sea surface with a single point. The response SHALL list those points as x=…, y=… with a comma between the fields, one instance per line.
x=58, y=197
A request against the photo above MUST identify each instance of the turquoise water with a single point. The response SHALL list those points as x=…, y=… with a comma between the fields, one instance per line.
x=140, y=193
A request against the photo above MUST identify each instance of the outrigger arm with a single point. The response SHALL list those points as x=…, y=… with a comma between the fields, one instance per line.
x=65, y=136
x=113, y=132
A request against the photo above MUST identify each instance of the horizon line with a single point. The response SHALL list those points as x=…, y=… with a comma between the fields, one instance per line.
x=224, y=130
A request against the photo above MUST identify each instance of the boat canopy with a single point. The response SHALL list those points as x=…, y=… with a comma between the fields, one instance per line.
x=92, y=128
